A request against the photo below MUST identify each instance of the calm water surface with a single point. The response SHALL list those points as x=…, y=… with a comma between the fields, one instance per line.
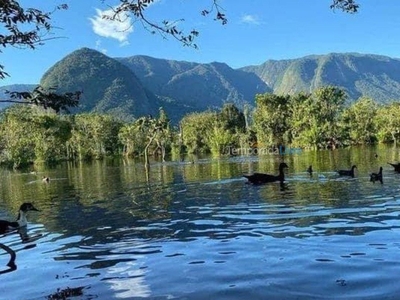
x=198, y=231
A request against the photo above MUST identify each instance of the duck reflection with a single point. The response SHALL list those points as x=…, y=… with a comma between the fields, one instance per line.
x=11, y=263
x=20, y=225
x=283, y=186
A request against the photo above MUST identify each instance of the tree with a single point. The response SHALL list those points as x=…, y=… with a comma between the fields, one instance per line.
x=388, y=123
x=94, y=136
x=29, y=28
x=233, y=119
x=271, y=119
x=327, y=103
x=23, y=28
x=17, y=147
x=133, y=139
x=45, y=98
x=359, y=120
x=194, y=129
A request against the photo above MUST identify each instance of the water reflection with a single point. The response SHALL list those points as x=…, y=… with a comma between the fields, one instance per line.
x=25, y=239
x=11, y=263
x=197, y=230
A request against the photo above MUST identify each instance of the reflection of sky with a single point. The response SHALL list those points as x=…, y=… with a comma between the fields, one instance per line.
x=128, y=281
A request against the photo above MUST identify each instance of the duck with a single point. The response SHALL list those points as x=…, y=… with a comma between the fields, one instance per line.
x=347, y=172
x=21, y=219
x=395, y=166
x=376, y=176
x=259, y=178
x=310, y=170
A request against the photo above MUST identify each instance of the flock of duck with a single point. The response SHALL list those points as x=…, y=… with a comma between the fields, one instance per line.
x=255, y=178
x=261, y=178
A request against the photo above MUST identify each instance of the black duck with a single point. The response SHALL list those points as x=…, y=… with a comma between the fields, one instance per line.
x=377, y=176
x=347, y=172
x=395, y=166
x=259, y=178
x=21, y=219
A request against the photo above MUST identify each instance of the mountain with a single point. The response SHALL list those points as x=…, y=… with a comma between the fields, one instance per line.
x=107, y=85
x=13, y=88
x=199, y=86
x=374, y=76
x=138, y=85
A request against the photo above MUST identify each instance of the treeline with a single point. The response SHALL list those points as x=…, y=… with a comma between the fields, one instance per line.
x=315, y=120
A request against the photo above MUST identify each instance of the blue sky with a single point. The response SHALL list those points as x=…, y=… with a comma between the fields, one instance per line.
x=257, y=30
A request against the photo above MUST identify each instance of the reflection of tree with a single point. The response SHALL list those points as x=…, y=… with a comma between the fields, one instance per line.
x=25, y=238
x=112, y=200
x=216, y=169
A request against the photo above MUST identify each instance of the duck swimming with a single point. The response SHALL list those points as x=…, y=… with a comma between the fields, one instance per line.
x=310, y=170
x=395, y=166
x=259, y=178
x=347, y=172
x=377, y=176
x=21, y=219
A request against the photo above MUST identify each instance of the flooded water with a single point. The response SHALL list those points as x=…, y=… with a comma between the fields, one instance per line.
x=198, y=231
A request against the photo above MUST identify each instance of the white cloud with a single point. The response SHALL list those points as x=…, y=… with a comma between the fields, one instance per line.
x=250, y=19
x=118, y=30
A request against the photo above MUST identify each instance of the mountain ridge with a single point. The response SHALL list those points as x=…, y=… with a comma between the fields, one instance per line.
x=137, y=85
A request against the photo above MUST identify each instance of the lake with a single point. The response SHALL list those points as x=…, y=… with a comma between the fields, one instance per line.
x=199, y=231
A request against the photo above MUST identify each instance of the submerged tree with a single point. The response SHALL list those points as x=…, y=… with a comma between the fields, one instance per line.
x=194, y=129
x=388, y=123
x=94, y=136
x=271, y=119
x=359, y=121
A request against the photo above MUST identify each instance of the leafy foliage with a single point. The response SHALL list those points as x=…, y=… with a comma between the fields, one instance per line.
x=388, y=122
x=46, y=98
x=23, y=27
x=93, y=136
x=349, y=6
x=318, y=120
x=360, y=121
x=271, y=119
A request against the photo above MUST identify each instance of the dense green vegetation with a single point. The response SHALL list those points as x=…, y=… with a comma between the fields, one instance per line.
x=317, y=120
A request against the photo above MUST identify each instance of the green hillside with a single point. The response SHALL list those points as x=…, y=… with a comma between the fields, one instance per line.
x=107, y=85
x=373, y=76
x=138, y=85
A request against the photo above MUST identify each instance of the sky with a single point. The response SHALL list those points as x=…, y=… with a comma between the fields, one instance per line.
x=257, y=31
